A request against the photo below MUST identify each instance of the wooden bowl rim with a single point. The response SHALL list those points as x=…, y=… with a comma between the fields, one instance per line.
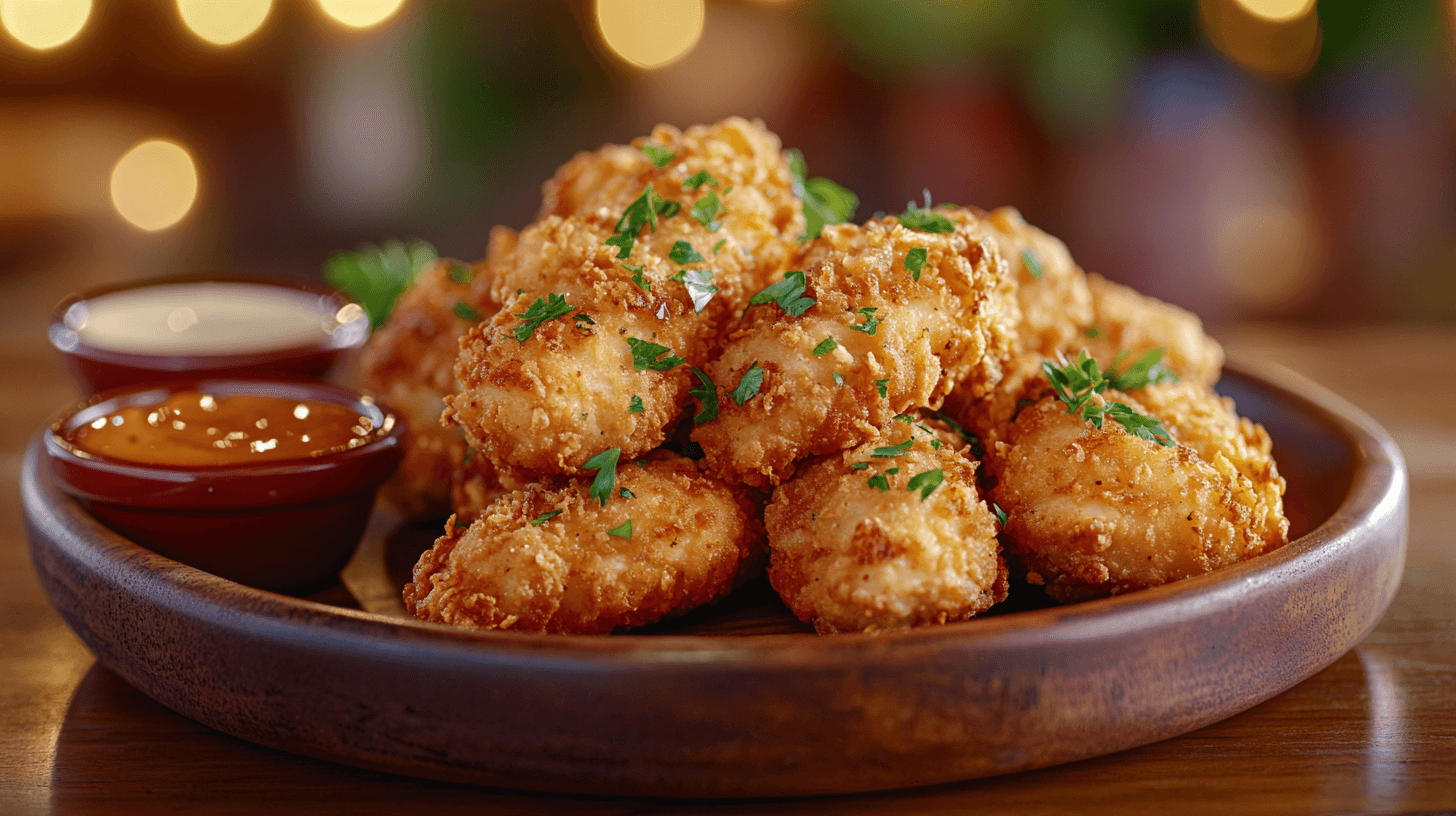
x=1377, y=485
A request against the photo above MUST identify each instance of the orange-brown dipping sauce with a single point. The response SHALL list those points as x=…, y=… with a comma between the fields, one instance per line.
x=194, y=429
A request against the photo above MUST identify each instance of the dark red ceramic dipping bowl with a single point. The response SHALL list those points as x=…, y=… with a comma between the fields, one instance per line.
x=286, y=525
x=101, y=366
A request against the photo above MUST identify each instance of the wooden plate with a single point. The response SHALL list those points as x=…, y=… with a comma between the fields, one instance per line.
x=694, y=710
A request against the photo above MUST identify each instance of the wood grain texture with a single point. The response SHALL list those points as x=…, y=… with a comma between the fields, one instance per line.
x=1374, y=732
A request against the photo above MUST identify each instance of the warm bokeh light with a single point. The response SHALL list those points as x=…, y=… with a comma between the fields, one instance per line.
x=650, y=33
x=1282, y=49
x=43, y=24
x=1278, y=11
x=1267, y=253
x=224, y=22
x=360, y=13
x=154, y=184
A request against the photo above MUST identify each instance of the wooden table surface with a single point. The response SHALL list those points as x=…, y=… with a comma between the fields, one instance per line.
x=1374, y=732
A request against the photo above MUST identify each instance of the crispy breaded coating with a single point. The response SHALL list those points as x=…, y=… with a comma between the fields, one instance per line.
x=848, y=556
x=692, y=539
x=1095, y=512
x=898, y=342
x=410, y=361
x=1056, y=305
x=1126, y=321
x=750, y=174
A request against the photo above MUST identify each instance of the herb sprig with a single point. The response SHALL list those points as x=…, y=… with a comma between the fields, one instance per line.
x=824, y=202
x=1075, y=383
x=375, y=276
x=543, y=309
x=787, y=293
x=605, y=464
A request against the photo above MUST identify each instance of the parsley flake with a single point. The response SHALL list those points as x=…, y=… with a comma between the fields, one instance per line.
x=647, y=355
x=683, y=253
x=890, y=451
x=636, y=406
x=1000, y=514
x=459, y=272
x=1032, y=264
x=879, y=482
x=696, y=281
x=644, y=285
x=706, y=211
x=545, y=517
x=925, y=220
x=748, y=385
x=871, y=324
x=824, y=202
x=625, y=493
x=698, y=179
x=787, y=293
x=978, y=448
x=583, y=317
x=465, y=311
x=1141, y=374
x=660, y=156
x=707, y=394
x=639, y=215
x=1143, y=427
x=903, y=418
x=926, y=482
x=859, y=466
x=838, y=379
x=915, y=261
x=825, y=346
x=375, y=276
x=1076, y=382
x=719, y=245
x=883, y=386
x=623, y=530
x=543, y=309
x=605, y=464
x=1092, y=333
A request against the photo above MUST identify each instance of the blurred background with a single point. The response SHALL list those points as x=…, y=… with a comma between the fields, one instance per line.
x=1248, y=159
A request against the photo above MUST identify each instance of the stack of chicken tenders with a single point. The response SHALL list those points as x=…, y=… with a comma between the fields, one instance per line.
x=668, y=381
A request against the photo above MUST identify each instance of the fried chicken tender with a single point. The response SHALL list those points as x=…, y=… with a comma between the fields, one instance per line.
x=1052, y=291
x=1125, y=320
x=850, y=556
x=410, y=360
x=885, y=342
x=552, y=559
x=1095, y=512
x=547, y=404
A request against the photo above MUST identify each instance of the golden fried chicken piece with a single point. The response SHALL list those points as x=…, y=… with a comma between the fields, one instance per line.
x=858, y=545
x=745, y=167
x=1125, y=321
x=410, y=362
x=1056, y=305
x=877, y=340
x=1095, y=512
x=551, y=558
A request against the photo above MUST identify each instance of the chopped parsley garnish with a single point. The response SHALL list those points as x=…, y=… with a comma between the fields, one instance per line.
x=825, y=346
x=787, y=293
x=925, y=220
x=748, y=385
x=926, y=482
x=859, y=466
x=706, y=211
x=683, y=253
x=719, y=245
x=605, y=464
x=698, y=179
x=935, y=444
x=625, y=493
x=696, y=281
x=545, y=517
x=1000, y=514
x=660, y=156
x=640, y=214
x=635, y=406
x=1092, y=333
x=871, y=324
x=465, y=311
x=707, y=394
x=903, y=418
x=890, y=451
x=623, y=530
x=459, y=272
x=636, y=270
x=375, y=276
x=647, y=355
x=879, y=482
x=838, y=378
x=978, y=448
x=824, y=202
x=915, y=260
x=883, y=386
x=543, y=309
x=1076, y=382
x=1141, y=374
x=583, y=317
x=1029, y=259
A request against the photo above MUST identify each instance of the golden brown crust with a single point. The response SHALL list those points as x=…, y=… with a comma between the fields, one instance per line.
x=1095, y=512
x=850, y=557
x=693, y=540
x=954, y=325
x=1056, y=305
x=1126, y=321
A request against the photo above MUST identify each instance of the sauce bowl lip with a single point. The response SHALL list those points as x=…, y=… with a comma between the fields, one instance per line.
x=66, y=458
x=183, y=362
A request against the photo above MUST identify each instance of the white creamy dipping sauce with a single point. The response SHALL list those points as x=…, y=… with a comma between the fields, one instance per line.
x=209, y=318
